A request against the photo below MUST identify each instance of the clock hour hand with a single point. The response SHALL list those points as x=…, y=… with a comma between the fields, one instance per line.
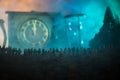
x=34, y=28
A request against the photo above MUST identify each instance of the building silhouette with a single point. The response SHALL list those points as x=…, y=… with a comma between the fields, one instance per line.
x=108, y=35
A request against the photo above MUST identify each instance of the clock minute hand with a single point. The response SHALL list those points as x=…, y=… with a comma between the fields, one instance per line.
x=34, y=28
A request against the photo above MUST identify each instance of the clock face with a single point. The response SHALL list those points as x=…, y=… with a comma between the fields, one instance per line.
x=33, y=33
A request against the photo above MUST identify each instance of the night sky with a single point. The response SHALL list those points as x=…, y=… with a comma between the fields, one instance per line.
x=93, y=9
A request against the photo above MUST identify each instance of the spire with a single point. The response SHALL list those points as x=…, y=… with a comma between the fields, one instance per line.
x=108, y=16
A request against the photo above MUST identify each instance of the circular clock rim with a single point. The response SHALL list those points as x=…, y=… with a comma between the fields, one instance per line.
x=26, y=45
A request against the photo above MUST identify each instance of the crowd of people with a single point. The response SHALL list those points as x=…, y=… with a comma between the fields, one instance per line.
x=31, y=52
x=59, y=64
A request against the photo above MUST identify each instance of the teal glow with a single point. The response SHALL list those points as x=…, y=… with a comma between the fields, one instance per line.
x=69, y=23
x=81, y=27
x=90, y=23
x=75, y=33
x=82, y=42
x=94, y=11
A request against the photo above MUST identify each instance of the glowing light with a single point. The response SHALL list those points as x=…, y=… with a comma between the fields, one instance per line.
x=70, y=28
x=81, y=27
x=74, y=33
x=82, y=42
x=80, y=23
x=69, y=23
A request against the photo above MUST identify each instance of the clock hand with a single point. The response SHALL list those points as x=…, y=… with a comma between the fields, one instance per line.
x=34, y=28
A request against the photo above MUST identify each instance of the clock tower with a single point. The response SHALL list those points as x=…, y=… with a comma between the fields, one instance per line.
x=30, y=29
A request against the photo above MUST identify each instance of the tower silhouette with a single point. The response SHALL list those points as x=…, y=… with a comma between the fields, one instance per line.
x=108, y=34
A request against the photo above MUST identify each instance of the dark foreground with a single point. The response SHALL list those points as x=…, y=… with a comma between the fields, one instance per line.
x=72, y=64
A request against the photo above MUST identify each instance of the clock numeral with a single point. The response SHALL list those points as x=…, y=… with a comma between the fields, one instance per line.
x=22, y=29
x=44, y=31
x=26, y=24
x=45, y=37
x=34, y=21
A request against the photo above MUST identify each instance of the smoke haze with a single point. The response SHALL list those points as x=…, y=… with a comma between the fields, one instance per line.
x=87, y=7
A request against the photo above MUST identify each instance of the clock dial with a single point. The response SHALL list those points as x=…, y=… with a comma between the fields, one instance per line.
x=33, y=33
